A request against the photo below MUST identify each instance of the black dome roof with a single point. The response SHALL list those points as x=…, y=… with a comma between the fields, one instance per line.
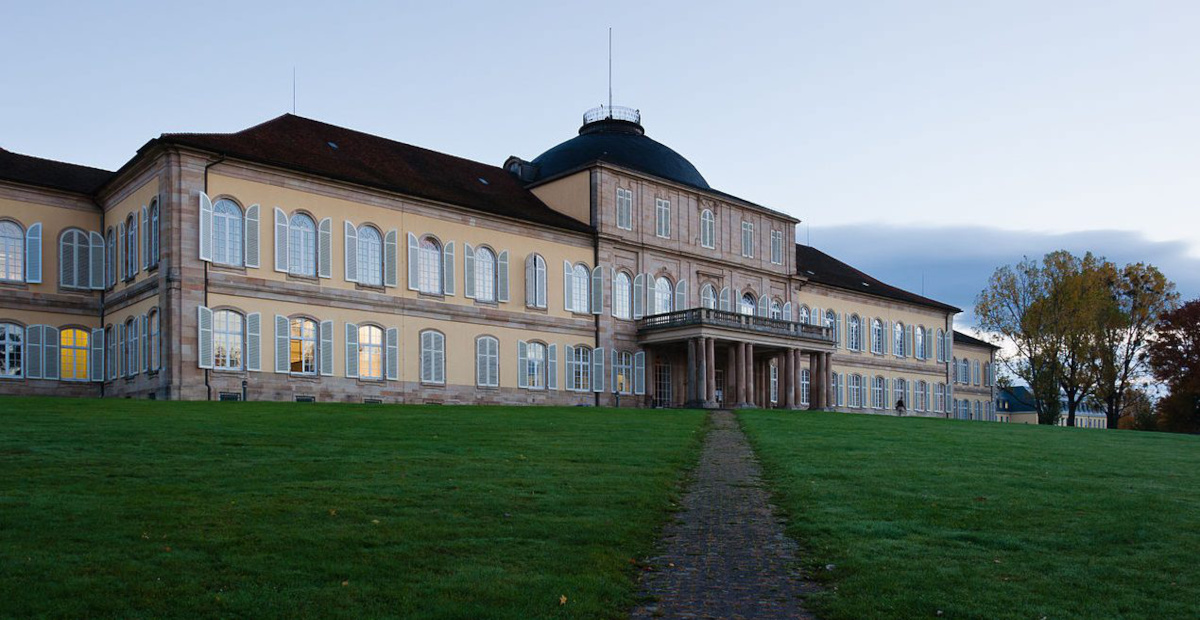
x=620, y=142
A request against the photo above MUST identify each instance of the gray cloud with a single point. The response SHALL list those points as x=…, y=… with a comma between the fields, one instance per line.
x=956, y=261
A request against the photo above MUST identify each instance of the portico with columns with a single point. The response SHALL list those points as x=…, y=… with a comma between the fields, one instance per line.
x=701, y=343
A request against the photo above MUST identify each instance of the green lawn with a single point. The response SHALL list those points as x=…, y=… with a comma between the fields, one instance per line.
x=121, y=508
x=979, y=520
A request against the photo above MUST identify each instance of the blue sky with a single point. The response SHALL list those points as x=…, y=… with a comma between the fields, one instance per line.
x=914, y=138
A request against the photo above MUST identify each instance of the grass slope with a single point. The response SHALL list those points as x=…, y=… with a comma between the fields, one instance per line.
x=979, y=520
x=123, y=508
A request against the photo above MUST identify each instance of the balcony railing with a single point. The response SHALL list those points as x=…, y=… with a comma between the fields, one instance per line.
x=615, y=112
x=735, y=320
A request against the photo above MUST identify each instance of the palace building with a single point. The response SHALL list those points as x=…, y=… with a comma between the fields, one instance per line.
x=297, y=260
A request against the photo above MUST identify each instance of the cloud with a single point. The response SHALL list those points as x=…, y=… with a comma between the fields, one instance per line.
x=955, y=262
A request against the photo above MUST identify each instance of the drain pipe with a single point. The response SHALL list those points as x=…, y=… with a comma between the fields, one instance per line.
x=208, y=371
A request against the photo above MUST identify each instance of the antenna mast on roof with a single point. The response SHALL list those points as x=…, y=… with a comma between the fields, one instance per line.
x=610, y=68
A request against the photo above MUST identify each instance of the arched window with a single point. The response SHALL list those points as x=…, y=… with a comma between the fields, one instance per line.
x=487, y=362
x=370, y=256
x=73, y=352
x=153, y=232
x=155, y=339
x=302, y=245
x=663, y=295
x=805, y=382
x=957, y=370
x=535, y=281
x=535, y=366
x=707, y=229
x=73, y=260
x=877, y=337
x=429, y=266
x=920, y=396
x=485, y=274
x=130, y=354
x=227, y=233
x=803, y=315
x=748, y=304
x=977, y=374
x=433, y=357
x=110, y=258
x=776, y=309
x=623, y=372
x=12, y=350
x=898, y=339
x=370, y=350
x=939, y=398
x=131, y=246
x=708, y=297
x=877, y=388
x=579, y=368
x=622, y=296
x=919, y=342
x=228, y=340
x=854, y=338
x=900, y=393
x=831, y=321
x=966, y=371
x=303, y=345
x=12, y=252
x=580, y=287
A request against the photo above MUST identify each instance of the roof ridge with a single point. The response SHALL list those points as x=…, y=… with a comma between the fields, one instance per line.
x=55, y=161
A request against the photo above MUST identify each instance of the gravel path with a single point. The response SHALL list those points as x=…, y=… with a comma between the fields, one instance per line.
x=725, y=554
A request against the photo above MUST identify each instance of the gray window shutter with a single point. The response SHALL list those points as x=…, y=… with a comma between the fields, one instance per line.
x=598, y=369
x=552, y=367
x=34, y=335
x=569, y=377
x=414, y=250
x=145, y=250
x=725, y=301
x=568, y=286
x=908, y=342
x=326, y=351
x=250, y=242
x=597, y=290
x=613, y=369
x=481, y=365
x=787, y=311
x=502, y=277
x=283, y=360
x=96, y=260
x=392, y=356
x=206, y=227
x=33, y=253
x=50, y=352
x=638, y=299
x=121, y=352
x=281, y=240
x=522, y=363
x=325, y=248
x=681, y=294
x=145, y=353
x=448, y=268
x=350, y=251
x=389, y=257
x=764, y=305
x=531, y=280
x=96, y=361
x=351, y=350
x=204, y=336
x=254, y=341
x=468, y=271
x=639, y=373
x=122, y=249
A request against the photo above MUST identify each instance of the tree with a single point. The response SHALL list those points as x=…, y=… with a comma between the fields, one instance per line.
x=1138, y=413
x=1138, y=295
x=1174, y=359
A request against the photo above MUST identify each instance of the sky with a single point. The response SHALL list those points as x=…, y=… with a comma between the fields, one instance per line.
x=924, y=142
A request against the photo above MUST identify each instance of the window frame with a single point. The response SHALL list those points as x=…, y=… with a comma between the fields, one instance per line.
x=84, y=350
x=368, y=256
x=622, y=298
x=747, y=239
x=662, y=218
x=491, y=357
x=776, y=247
x=708, y=229
x=436, y=345
x=486, y=272
x=625, y=206
x=368, y=349
x=293, y=340
x=13, y=246
x=7, y=329
x=226, y=336
x=298, y=248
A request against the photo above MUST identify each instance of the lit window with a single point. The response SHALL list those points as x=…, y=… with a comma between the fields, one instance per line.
x=227, y=233
x=429, y=266
x=12, y=349
x=303, y=347
x=228, y=340
x=623, y=372
x=370, y=256
x=370, y=352
x=12, y=252
x=73, y=352
x=302, y=246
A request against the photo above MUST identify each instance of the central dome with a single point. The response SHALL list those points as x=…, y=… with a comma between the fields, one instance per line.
x=614, y=135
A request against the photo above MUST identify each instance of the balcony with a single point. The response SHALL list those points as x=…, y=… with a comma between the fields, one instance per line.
x=619, y=113
x=733, y=324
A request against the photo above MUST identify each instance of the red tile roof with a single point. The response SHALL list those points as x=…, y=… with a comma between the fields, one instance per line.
x=321, y=149
x=52, y=174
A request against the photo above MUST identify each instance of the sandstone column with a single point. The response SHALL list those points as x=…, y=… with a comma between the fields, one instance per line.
x=730, y=394
x=690, y=377
x=710, y=379
x=814, y=368
x=788, y=370
x=750, y=383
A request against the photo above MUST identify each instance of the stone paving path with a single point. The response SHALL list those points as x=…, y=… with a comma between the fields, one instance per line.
x=725, y=554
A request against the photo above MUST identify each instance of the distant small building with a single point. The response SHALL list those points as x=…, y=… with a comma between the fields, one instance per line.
x=1017, y=404
x=973, y=368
